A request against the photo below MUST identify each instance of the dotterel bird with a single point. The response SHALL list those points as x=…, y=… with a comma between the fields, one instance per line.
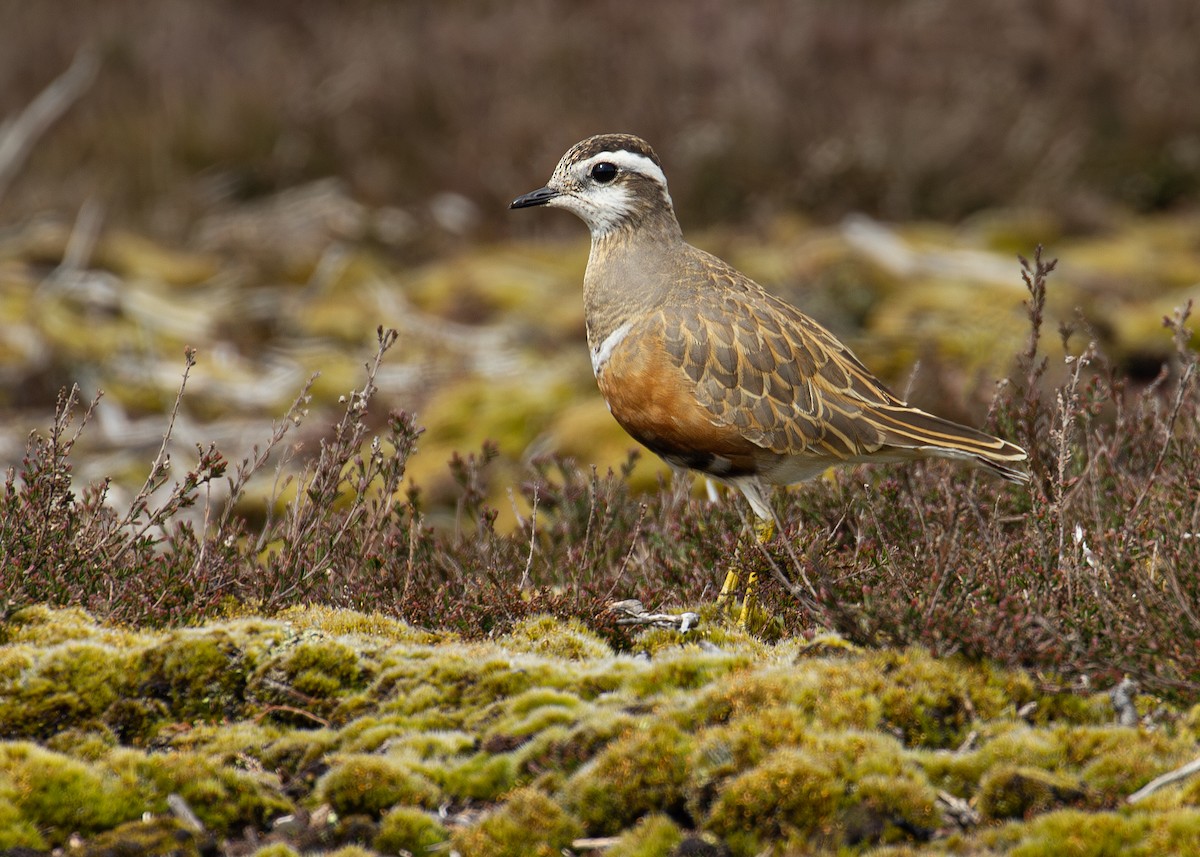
x=710, y=371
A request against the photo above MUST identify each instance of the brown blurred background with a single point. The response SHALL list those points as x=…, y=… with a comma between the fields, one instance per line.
x=193, y=173
x=898, y=108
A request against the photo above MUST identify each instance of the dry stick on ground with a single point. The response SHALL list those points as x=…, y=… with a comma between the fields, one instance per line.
x=1165, y=780
x=19, y=134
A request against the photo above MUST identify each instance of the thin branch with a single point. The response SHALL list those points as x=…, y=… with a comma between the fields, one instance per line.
x=19, y=134
x=1165, y=780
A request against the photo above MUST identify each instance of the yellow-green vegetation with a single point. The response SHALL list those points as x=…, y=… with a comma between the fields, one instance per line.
x=158, y=837
x=409, y=829
x=524, y=743
x=641, y=771
x=528, y=824
x=369, y=784
x=653, y=836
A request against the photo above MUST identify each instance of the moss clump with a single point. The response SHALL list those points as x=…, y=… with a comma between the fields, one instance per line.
x=654, y=836
x=529, y=713
x=482, y=777
x=889, y=809
x=1117, y=761
x=1017, y=792
x=434, y=745
x=70, y=684
x=223, y=798
x=59, y=796
x=932, y=701
x=198, y=674
x=337, y=622
x=528, y=824
x=409, y=829
x=1013, y=744
x=545, y=635
x=46, y=626
x=564, y=749
x=792, y=795
x=320, y=668
x=16, y=831
x=276, y=849
x=685, y=669
x=368, y=785
x=136, y=720
x=1071, y=833
x=643, y=771
x=87, y=745
x=297, y=753
x=160, y=837
x=452, y=684
x=351, y=851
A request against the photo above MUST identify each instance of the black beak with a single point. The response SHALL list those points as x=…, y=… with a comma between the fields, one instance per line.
x=541, y=196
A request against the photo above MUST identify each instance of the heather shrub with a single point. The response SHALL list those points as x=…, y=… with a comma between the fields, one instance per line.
x=1085, y=572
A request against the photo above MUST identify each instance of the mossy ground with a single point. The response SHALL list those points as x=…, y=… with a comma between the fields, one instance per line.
x=537, y=739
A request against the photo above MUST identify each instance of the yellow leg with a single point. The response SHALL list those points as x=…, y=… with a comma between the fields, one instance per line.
x=731, y=582
x=764, y=531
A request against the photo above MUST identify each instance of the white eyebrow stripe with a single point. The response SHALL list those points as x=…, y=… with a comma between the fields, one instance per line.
x=631, y=161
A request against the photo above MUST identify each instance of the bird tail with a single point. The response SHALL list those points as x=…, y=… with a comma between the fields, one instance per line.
x=904, y=427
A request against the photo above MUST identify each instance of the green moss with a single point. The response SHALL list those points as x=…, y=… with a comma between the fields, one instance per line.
x=1015, y=792
x=1070, y=833
x=483, y=777
x=223, y=798
x=792, y=795
x=435, y=745
x=528, y=824
x=369, y=734
x=60, y=796
x=1014, y=744
x=1176, y=832
x=932, y=702
x=87, y=745
x=564, y=749
x=71, y=683
x=411, y=830
x=16, y=831
x=460, y=683
x=318, y=667
x=654, y=836
x=198, y=674
x=366, y=784
x=45, y=626
x=137, y=720
x=545, y=635
x=1117, y=761
x=531, y=712
x=371, y=626
x=160, y=837
x=642, y=771
x=889, y=809
x=835, y=693
x=276, y=849
x=298, y=751
x=726, y=751
x=351, y=851
x=14, y=661
x=744, y=692
x=688, y=668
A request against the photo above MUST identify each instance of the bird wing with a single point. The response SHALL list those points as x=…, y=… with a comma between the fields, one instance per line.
x=780, y=378
x=788, y=385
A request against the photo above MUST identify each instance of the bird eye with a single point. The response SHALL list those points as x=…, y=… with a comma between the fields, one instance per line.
x=604, y=172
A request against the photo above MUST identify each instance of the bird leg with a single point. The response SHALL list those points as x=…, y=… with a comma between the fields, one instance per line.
x=764, y=531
